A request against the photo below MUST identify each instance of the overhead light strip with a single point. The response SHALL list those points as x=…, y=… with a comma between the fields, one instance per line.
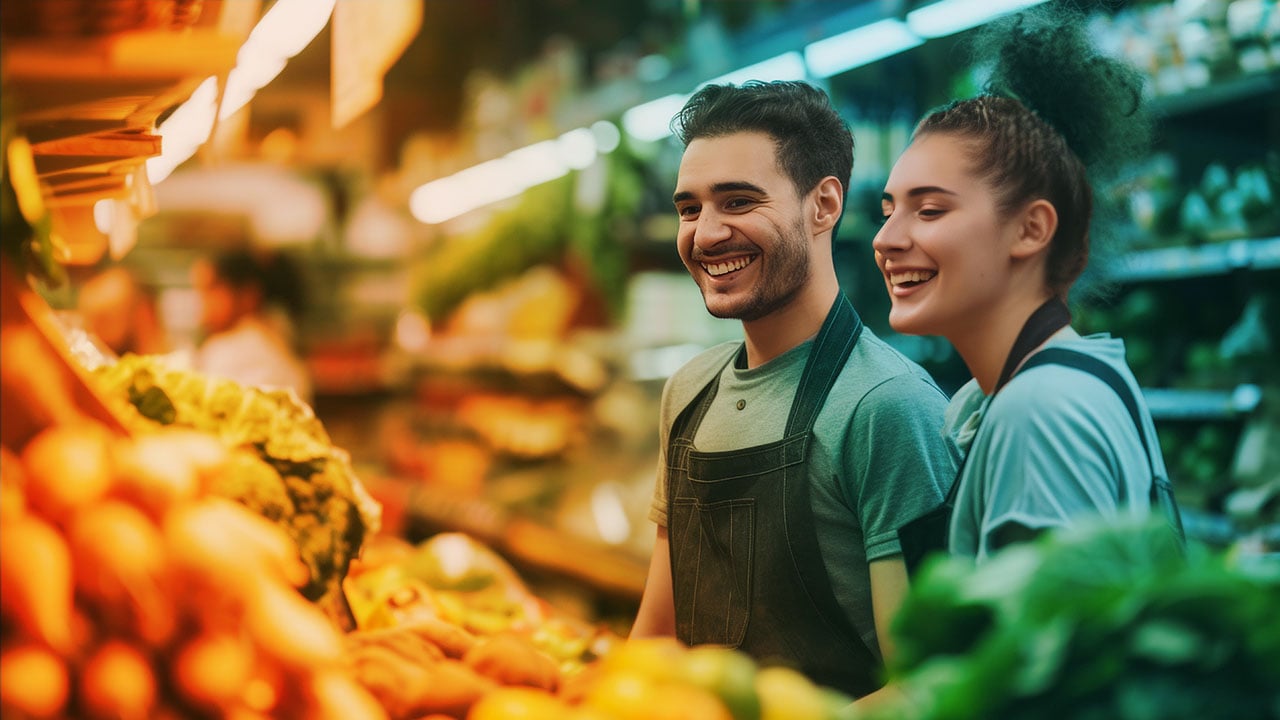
x=947, y=17
x=510, y=175
x=859, y=46
x=283, y=32
x=505, y=177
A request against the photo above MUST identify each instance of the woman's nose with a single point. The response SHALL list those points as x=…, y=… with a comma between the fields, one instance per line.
x=889, y=238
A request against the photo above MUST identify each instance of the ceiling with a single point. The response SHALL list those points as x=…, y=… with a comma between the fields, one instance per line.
x=427, y=85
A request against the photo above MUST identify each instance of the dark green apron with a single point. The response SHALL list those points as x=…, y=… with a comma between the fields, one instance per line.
x=746, y=568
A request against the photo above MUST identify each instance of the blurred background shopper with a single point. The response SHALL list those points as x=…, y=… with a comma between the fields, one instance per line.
x=248, y=306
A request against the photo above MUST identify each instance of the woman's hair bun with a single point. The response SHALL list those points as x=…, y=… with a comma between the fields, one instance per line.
x=1045, y=58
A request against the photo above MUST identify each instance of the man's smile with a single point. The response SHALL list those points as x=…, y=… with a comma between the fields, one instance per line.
x=727, y=266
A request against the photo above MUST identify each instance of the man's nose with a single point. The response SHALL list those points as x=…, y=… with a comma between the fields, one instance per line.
x=711, y=230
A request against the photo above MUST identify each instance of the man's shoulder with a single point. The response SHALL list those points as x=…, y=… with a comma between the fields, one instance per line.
x=707, y=363
x=696, y=372
x=875, y=363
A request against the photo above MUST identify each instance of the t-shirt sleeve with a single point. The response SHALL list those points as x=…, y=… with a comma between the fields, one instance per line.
x=901, y=461
x=1051, y=452
x=679, y=390
x=658, y=506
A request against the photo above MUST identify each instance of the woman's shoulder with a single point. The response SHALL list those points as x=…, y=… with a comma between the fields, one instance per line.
x=1069, y=394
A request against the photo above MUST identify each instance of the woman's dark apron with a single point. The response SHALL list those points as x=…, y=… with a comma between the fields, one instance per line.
x=747, y=571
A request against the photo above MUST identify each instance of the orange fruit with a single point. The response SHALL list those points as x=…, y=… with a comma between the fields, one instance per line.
x=518, y=703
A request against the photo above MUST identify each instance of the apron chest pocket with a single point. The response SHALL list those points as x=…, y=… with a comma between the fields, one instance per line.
x=717, y=542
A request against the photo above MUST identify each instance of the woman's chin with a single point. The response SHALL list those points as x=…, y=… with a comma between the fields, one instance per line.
x=906, y=323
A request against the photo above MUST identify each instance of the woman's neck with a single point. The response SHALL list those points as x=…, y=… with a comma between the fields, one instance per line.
x=987, y=342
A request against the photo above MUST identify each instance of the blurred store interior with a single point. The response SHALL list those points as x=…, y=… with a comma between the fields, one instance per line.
x=477, y=195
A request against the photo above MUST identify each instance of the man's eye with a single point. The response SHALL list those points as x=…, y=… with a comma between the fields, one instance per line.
x=687, y=211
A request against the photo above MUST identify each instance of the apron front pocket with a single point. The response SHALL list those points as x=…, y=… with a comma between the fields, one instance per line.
x=714, y=591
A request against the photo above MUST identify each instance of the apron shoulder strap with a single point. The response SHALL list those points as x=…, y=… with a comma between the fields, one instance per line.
x=840, y=332
x=1161, y=493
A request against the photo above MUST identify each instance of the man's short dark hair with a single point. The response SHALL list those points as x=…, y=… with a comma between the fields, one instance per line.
x=811, y=140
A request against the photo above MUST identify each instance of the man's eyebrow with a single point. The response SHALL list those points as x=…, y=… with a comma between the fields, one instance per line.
x=723, y=187
x=918, y=191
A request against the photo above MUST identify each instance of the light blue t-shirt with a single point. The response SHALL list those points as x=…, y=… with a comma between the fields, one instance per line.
x=1054, y=445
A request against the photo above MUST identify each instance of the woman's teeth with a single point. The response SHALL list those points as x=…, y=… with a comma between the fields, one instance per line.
x=728, y=266
x=912, y=276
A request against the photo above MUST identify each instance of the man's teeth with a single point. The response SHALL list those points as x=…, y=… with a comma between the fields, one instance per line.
x=910, y=276
x=728, y=266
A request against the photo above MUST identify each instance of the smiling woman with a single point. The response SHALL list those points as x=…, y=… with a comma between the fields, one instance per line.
x=987, y=217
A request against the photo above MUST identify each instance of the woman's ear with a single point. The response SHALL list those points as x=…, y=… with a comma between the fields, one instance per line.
x=828, y=203
x=1039, y=222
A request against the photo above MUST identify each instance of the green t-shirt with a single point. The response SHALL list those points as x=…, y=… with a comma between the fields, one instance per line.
x=879, y=456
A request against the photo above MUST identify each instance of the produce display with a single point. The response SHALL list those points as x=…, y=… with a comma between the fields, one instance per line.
x=448, y=627
x=132, y=591
x=1107, y=621
x=291, y=474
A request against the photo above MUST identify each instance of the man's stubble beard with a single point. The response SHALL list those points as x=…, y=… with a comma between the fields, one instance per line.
x=785, y=275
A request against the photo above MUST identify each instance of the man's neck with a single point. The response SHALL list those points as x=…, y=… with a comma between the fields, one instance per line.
x=785, y=328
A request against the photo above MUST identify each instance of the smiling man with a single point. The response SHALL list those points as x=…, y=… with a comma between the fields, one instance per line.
x=790, y=459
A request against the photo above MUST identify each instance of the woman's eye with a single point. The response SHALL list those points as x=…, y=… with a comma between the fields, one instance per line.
x=930, y=212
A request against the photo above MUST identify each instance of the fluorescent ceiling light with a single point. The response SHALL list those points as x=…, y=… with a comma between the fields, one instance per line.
x=947, y=17
x=858, y=47
x=283, y=32
x=185, y=130
x=652, y=120
x=607, y=136
x=787, y=66
x=507, y=176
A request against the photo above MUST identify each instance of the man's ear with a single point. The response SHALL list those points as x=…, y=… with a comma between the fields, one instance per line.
x=828, y=199
x=1037, y=225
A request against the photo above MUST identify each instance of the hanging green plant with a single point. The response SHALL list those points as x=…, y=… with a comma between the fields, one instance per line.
x=26, y=227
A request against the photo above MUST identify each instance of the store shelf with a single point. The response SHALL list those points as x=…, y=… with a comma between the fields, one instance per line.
x=1210, y=528
x=1198, y=261
x=523, y=540
x=1257, y=85
x=1169, y=404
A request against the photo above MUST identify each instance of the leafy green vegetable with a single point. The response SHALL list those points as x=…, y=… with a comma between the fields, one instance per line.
x=294, y=475
x=1096, y=622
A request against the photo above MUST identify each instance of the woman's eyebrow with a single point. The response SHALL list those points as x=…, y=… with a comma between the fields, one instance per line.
x=918, y=191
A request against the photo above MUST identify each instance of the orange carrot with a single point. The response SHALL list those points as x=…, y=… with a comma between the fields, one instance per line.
x=35, y=571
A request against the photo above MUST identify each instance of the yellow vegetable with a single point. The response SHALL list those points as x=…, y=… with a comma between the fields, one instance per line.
x=291, y=629
x=786, y=694
x=517, y=703
x=153, y=472
x=216, y=542
x=337, y=696
x=511, y=659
